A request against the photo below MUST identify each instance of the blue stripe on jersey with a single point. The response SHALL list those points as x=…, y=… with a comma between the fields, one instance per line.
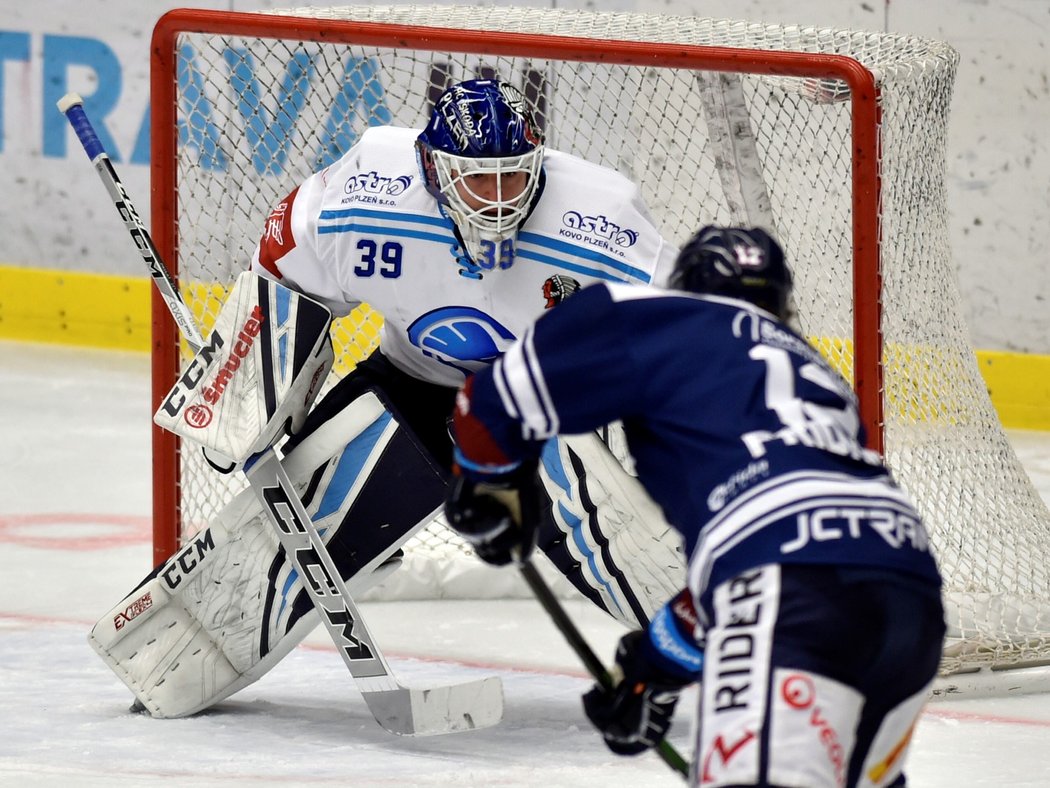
x=577, y=251
x=755, y=528
x=520, y=378
x=386, y=217
x=597, y=273
x=448, y=240
x=397, y=216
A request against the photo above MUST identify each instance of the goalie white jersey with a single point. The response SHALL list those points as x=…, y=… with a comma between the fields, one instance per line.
x=366, y=230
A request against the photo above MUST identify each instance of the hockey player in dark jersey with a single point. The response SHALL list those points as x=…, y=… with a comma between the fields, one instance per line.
x=813, y=612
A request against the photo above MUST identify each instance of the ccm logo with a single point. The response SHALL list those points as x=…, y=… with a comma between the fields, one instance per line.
x=186, y=560
x=193, y=375
x=135, y=609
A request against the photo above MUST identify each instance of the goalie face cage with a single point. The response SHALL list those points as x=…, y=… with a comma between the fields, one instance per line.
x=718, y=122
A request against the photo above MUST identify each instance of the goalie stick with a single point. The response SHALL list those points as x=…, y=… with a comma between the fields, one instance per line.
x=398, y=709
x=594, y=666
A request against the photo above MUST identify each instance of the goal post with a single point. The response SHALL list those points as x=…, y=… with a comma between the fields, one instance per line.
x=835, y=139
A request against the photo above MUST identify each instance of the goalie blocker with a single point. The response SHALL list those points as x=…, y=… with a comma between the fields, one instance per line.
x=255, y=378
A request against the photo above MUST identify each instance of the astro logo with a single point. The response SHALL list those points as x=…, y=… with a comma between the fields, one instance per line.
x=460, y=336
x=374, y=183
x=600, y=227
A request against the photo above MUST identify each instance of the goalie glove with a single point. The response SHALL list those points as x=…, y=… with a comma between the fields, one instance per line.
x=498, y=516
x=652, y=667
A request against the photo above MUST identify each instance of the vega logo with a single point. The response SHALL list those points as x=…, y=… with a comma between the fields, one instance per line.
x=460, y=336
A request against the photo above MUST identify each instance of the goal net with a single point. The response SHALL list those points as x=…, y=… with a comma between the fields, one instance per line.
x=833, y=138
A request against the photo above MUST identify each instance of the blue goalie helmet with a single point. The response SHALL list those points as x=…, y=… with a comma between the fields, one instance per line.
x=481, y=156
x=736, y=262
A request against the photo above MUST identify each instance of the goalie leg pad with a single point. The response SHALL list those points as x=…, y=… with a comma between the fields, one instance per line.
x=604, y=532
x=229, y=606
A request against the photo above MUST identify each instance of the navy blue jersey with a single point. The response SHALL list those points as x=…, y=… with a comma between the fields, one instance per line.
x=740, y=430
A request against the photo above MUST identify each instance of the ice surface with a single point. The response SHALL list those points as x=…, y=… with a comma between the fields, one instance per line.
x=74, y=538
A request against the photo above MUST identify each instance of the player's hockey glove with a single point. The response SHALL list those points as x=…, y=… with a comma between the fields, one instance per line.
x=497, y=516
x=652, y=667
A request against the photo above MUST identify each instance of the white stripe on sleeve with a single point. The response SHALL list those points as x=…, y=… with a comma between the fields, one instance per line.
x=519, y=380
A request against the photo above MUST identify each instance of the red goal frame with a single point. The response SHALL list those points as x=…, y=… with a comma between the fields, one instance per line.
x=866, y=182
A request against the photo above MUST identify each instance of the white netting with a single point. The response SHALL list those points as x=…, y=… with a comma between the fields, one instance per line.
x=257, y=115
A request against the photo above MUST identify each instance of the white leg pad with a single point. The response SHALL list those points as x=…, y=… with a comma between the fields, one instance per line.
x=219, y=614
x=643, y=556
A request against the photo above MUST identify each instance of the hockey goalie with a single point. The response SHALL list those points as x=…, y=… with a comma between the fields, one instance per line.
x=455, y=235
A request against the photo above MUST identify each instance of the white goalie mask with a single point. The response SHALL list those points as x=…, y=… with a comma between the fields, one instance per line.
x=488, y=199
x=481, y=156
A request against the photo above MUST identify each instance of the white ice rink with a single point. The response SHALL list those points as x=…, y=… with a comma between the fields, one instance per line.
x=74, y=538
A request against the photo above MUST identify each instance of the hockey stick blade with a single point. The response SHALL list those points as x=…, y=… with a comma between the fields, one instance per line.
x=408, y=712
x=400, y=710
x=451, y=709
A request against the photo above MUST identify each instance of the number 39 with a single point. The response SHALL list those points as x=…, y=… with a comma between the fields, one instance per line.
x=388, y=264
x=496, y=257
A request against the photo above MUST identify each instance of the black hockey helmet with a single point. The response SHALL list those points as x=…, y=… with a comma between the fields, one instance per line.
x=736, y=262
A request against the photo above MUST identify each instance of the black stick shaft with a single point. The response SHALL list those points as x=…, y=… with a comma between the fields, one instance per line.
x=594, y=666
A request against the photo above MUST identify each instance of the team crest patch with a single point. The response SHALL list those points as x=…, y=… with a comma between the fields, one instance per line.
x=557, y=288
x=277, y=240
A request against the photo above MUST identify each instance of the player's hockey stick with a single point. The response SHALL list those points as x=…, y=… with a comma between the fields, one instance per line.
x=400, y=710
x=594, y=666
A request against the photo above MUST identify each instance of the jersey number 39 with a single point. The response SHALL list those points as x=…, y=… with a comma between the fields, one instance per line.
x=387, y=265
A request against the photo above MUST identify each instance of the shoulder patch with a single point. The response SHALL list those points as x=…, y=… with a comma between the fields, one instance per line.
x=277, y=239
